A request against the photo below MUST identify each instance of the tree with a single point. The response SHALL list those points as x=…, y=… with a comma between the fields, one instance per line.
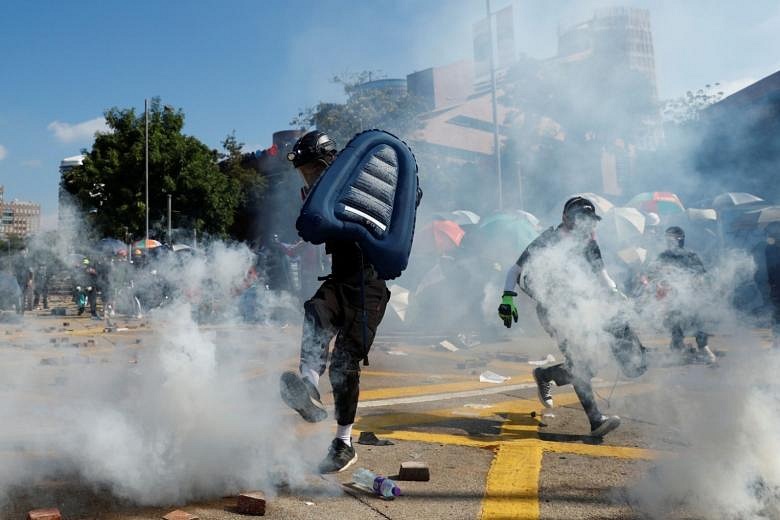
x=251, y=187
x=367, y=106
x=109, y=185
x=687, y=109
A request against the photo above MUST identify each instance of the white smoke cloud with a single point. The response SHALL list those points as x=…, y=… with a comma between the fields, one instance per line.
x=194, y=413
x=3, y=152
x=77, y=132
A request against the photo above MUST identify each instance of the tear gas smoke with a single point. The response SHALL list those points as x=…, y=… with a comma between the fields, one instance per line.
x=194, y=413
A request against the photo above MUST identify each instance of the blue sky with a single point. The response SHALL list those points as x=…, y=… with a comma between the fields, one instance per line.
x=250, y=65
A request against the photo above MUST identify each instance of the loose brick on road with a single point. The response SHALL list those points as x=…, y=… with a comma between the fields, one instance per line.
x=414, y=470
x=44, y=514
x=251, y=503
x=180, y=515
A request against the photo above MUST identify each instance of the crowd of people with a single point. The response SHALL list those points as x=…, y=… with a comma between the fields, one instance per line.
x=100, y=283
x=561, y=270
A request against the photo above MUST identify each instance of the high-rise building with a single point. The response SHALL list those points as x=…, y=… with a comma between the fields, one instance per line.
x=18, y=218
x=445, y=86
x=620, y=36
x=391, y=86
x=64, y=209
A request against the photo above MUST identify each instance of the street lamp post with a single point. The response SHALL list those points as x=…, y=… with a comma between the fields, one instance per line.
x=146, y=168
x=496, y=148
x=170, y=241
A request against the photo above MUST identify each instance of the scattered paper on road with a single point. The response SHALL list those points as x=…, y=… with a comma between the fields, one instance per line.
x=491, y=377
x=446, y=345
x=549, y=359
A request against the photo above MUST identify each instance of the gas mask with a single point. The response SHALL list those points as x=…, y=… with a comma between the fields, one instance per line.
x=584, y=226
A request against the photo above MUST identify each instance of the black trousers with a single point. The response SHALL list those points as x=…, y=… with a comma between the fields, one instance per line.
x=336, y=310
x=574, y=370
x=775, y=299
x=678, y=324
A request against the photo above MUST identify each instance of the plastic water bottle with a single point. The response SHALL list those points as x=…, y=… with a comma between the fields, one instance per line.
x=370, y=481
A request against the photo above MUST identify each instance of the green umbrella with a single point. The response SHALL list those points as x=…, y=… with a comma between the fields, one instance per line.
x=501, y=237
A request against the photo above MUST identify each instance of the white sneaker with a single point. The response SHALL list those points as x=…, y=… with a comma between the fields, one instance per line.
x=712, y=359
x=604, y=425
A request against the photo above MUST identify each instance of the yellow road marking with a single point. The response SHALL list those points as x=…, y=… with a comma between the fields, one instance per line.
x=406, y=391
x=402, y=375
x=512, y=487
x=600, y=450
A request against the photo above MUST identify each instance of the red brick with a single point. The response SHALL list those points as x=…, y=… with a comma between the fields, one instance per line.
x=417, y=471
x=180, y=515
x=251, y=503
x=44, y=514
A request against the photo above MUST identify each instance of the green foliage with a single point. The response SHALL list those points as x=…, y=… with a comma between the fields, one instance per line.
x=251, y=187
x=687, y=109
x=365, y=108
x=110, y=185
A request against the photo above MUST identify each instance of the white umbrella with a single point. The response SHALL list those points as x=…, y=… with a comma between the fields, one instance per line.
x=770, y=214
x=731, y=199
x=180, y=247
x=696, y=214
x=624, y=224
x=464, y=216
x=399, y=300
x=530, y=217
x=602, y=204
x=633, y=255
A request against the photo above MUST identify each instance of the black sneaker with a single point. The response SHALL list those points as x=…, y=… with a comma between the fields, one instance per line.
x=302, y=396
x=543, y=387
x=604, y=425
x=339, y=457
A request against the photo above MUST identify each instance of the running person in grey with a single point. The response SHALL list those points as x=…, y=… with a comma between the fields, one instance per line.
x=578, y=225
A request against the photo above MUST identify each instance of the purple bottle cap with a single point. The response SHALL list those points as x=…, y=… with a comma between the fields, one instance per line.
x=396, y=491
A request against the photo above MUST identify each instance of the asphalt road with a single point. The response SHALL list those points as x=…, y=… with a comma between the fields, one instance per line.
x=493, y=452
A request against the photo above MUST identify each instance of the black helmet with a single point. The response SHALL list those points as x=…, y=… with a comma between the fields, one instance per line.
x=313, y=146
x=578, y=206
x=676, y=233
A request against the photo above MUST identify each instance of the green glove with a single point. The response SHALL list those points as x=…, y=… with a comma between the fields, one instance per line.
x=507, y=310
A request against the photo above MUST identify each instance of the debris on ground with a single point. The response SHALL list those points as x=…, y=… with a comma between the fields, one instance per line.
x=379, y=485
x=517, y=358
x=414, y=471
x=491, y=377
x=446, y=345
x=44, y=514
x=549, y=359
x=472, y=363
x=478, y=406
x=370, y=439
x=180, y=515
x=251, y=503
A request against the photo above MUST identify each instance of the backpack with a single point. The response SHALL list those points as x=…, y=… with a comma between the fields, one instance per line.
x=369, y=195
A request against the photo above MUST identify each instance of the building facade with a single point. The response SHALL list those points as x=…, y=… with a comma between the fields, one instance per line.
x=18, y=218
